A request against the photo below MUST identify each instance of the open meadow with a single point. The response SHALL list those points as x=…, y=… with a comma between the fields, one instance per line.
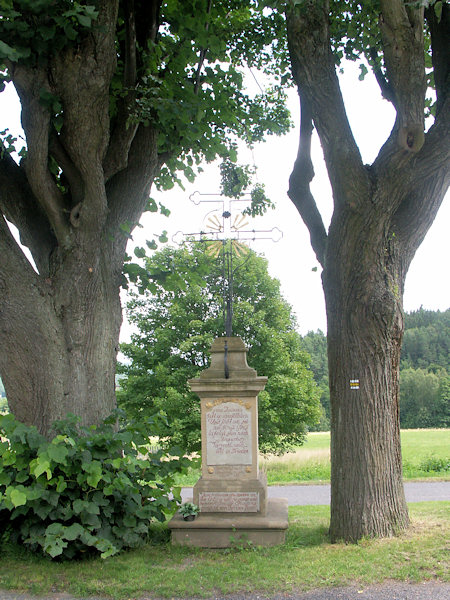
x=425, y=452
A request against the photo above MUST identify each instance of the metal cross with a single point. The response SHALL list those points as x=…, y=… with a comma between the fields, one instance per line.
x=226, y=233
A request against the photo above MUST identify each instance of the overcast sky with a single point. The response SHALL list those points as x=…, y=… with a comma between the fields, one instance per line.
x=291, y=259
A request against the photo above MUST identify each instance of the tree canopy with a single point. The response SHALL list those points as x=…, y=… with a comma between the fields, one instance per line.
x=427, y=340
x=176, y=328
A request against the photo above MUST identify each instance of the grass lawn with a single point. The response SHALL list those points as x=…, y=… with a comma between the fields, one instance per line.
x=306, y=561
x=426, y=454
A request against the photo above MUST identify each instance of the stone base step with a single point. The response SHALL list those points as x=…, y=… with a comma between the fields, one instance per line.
x=225, y=530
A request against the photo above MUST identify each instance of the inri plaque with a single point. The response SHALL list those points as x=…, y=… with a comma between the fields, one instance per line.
x=228, y=434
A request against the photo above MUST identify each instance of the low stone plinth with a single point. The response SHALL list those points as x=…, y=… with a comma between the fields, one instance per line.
x=238, y=496
x=224, y=530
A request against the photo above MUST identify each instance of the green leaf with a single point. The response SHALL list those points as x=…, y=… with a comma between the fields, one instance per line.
x=163, y=237
x=73, y=531
x=58, y=453
x=61, y=485
x=70, y=32
x=163, y=210
x=39, y=466
x=55, y=547
x=55, y=529
x=151, y=205
x=363, y=72
x=18, y=498
x=79, y=505
x=84, y=20
x=12, y=54
x=9, y=458
x=5, y=477
x=94, y=470
x=92, y=508
x=129, y=521
x=91, y=519
x=42, y=510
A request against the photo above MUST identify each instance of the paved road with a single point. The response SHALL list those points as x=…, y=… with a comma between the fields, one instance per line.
x=300, y=495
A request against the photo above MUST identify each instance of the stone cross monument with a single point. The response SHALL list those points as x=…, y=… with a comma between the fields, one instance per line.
x=232, y=492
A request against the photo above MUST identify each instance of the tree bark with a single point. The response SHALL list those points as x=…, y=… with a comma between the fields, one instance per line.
x=62, y=335
x=363, y=293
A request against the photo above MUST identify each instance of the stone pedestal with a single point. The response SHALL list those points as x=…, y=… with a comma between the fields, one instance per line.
x=231, y=493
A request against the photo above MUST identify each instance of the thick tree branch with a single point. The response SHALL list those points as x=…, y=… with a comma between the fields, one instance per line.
x=123, y=133
x=402, y=34
x=80, y=78
x=130, y=69
x=315, y=75
x=386, y=90
x=148, y=21
x=417, y=213
x=426, y=178
x=435, y=153
x=69, y=170
x=440, y=36
x=202, y=55
x=132, y=183
x=19, y=206
x=142, y=22
x=36, y=124
x=299, y=186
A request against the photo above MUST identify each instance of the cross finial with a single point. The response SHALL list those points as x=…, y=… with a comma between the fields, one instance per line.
x=226, y=231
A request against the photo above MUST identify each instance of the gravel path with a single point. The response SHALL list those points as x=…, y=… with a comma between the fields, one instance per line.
x=389, y=591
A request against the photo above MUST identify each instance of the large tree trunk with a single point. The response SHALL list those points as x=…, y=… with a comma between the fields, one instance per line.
x=62, y=337
x=363, y=291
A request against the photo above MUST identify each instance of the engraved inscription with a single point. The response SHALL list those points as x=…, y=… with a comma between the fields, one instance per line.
x=229, y=472
x=229, y=502
x=228, y=435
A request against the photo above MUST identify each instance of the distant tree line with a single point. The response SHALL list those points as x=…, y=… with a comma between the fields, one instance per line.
x=424, y=370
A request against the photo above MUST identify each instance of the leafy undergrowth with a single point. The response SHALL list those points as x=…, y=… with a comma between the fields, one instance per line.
x=88, y=490
x=306, y=560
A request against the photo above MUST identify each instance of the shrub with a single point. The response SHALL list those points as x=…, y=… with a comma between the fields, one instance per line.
x=435, y=464
x=3, y=405
x=88, y=490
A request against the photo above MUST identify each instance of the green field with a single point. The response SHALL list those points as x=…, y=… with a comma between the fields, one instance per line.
x=306, y=561
x=426, y=454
